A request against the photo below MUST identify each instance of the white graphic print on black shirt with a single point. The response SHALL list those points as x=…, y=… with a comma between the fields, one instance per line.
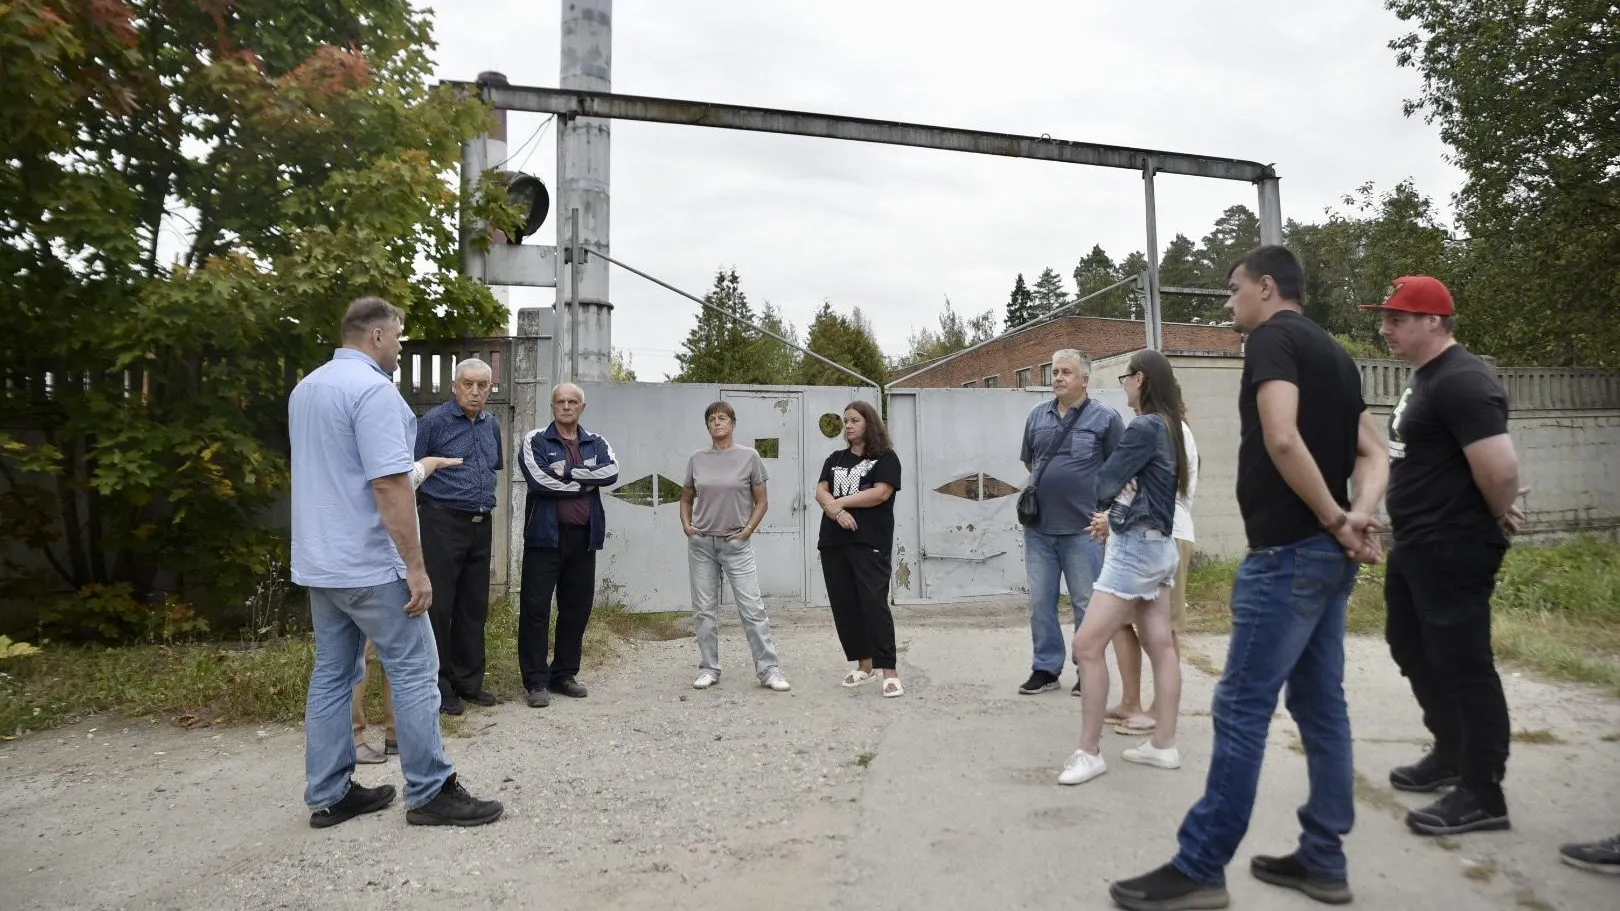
x=847, y=481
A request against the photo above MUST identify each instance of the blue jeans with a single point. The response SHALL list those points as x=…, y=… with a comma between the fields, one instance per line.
x=344, y=618
x=1288, y=616
x=1078, y=559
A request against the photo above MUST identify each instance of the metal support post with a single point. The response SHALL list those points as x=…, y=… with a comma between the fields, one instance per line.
x=1271, y=225
x=561, y=329
x=1154, y=316
x=576, y=264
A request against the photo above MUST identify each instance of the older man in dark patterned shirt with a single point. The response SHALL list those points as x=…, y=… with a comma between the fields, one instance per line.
x=456, y=506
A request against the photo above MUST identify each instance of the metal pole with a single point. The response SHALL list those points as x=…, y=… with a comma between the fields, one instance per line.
x=1021, y=326
x=576, y=265
x=1271, y=225
x=559, y=310
x=735, y=318
x=1155, y=329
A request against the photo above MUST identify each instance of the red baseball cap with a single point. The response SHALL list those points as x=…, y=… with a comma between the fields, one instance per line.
x=1418, y=294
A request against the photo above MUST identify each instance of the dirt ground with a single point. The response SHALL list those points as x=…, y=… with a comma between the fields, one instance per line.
x=650, y=794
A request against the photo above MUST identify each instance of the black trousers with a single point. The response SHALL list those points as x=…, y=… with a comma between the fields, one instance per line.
x=1438, y=626
x=857, y=577
x=456, y=550
x=570, y=571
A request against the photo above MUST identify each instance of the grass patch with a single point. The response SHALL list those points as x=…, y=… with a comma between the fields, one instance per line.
x=1611, y=737
x=1541, y=735
x=216, y=684
x=864, y=759
x=1556, y=610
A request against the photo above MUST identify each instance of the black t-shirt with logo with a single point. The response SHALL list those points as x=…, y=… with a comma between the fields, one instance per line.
x=1292, y=349
x=846, y=474
x=1450, y=402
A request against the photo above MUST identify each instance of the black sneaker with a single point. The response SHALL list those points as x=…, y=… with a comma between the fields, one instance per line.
x=482, y=697
x=1597, y=856
x=1039, y=682
x=451, y=704
x=539, y=699
x=1460, y=811
x=390, y=747
x=568, y=686
x=1431, y=773
x=1166, y=889
x=453, y=806
x=1075, y=691
x=357, y=801
x=1290, y=873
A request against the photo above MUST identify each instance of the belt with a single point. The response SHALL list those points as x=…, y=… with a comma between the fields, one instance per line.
x=458, y=513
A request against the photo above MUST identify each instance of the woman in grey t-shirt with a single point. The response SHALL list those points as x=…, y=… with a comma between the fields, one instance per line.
x=722, y=503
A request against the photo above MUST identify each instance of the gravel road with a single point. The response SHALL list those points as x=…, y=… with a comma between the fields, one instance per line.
x=650, y=794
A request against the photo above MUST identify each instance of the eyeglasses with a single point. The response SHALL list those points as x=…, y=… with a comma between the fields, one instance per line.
x=1125, y=376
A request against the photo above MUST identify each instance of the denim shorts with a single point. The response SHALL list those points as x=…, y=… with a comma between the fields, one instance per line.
x=1138, y=564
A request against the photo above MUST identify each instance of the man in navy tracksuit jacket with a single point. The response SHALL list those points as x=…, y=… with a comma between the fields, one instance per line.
x=566, y=467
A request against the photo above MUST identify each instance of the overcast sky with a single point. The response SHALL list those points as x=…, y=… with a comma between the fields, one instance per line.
x=895, y=231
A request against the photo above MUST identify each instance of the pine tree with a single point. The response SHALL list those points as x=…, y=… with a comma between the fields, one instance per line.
x=1048, y=293
x=722, y=350
x=1020, y=305
x=846, y=340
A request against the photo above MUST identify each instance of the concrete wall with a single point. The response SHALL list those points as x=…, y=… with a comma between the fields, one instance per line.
x=1565, y=425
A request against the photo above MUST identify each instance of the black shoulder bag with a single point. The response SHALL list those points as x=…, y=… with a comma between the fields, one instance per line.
x=1029, y=507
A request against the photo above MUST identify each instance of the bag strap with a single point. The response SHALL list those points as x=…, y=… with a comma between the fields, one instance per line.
x=1057, y=440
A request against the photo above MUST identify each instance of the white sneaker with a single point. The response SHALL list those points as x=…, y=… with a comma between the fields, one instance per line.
x=705, y=680
x=1148, y=754
x=778, y=683
x=1082, y=767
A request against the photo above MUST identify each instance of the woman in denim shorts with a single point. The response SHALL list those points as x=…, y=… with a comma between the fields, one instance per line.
x=1138, y=487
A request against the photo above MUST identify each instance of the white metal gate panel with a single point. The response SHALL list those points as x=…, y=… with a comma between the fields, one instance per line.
x=957, y=529
x=772, y=423
x=655, y=427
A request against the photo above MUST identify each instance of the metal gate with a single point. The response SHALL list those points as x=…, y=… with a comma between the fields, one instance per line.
x=956, y=529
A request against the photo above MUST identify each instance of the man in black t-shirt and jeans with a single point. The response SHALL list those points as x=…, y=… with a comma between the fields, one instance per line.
x=1306, y=440
x=1454, y=479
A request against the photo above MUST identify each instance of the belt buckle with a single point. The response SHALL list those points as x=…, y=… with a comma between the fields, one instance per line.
x=478, y=518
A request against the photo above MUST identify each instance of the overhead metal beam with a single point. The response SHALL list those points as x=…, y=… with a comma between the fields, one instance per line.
x=574, y=103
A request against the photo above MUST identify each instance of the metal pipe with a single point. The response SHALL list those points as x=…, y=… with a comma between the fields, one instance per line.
x=607, y=105
x=1039, y=319
x=559, y=306
x=1153, y=316
x=575, y=257
x=1271, y=224
x=735, y=318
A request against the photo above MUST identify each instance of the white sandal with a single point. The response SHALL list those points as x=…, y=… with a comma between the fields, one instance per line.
x=892, y=687
x=858, y=677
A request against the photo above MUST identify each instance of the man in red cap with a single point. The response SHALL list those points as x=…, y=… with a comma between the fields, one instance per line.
x=1453, y=483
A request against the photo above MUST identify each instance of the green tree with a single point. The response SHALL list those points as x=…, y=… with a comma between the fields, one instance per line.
x=846, y=340
x=1048, y=293
x=1526, y=94
x=1181, y=266
x=189, y=196
x=954, y=334
x=776, y=362
x=719, y=348
x=1020, y=305
x=1095, y=272
x=620, y=367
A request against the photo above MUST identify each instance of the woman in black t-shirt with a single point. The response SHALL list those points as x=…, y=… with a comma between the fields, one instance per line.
x=856, y=494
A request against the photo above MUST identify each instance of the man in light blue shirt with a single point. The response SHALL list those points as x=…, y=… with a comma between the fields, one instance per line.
x=356, y=547
x=1067, y=447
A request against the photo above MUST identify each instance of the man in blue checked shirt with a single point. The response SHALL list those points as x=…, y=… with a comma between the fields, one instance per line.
x=455, y=506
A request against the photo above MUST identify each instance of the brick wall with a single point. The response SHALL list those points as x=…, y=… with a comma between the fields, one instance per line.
x=1097, y=338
